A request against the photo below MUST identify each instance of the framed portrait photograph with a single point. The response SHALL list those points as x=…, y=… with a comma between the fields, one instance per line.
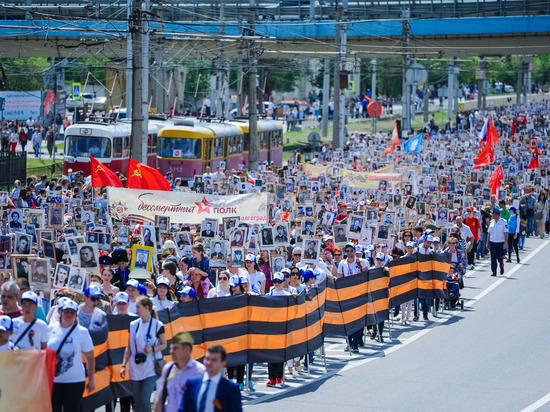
x=20, y=266
x=401, y=217
x=328, y=218
x=92, y=237
x=3, y=198
x=443, y=216
x=388, y=218
x=72, y=247
x=78, y=279
x=252, y=245
x=148, y=236
x=55, y=217
x=266, y=238
x=281, y=232
x=104, y=241
x=311, y=250
x=88, y=256
x=88, y=216
x=31, y=230
x=209, y=228
x=411, y=202
x=15, y=220
x=366, y=236
x=36, y=219
x=371, y=216
x=308, y=228
x=383, y=233
x=23, y=243
x=277, y=263
x=163, y=223
x=339, y=234
x=61, y=275
x=123, y=234
x=182, y=239
x=237, y=257
x=355, y=226
x=40, y=274
x=48, y=248
x=238, y=236
x=229, y=223
x=142, y=257
x=218, y=253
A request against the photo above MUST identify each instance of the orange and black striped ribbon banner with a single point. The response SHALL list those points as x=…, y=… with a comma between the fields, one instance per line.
x=255, y=329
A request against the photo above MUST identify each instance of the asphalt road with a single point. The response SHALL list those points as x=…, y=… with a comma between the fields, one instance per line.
x=492, y=356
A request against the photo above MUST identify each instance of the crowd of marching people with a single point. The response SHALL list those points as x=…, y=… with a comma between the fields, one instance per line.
x=67, y=263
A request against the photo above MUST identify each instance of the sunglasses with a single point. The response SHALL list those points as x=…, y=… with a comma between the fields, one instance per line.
x=407, y=234
x=277, y=281
x=287, y=276
x=337, y=254
x=223, y=278
x=94, y=298
x=453, y=243
x=296, y=254
x=350, y=251
x=295, y=274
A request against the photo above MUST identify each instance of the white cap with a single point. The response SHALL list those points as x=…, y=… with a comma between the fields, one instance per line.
x=122, y=297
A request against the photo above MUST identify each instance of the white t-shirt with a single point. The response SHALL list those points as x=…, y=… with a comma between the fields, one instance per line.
x=283, y=292
x=347, y=269
x=138, y=343
x=255, y=280
x=217, y=291
x=162, y=304
x=37, y=334
x=70, y=367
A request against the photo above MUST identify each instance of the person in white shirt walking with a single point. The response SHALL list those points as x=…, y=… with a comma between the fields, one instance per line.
x=29, y=332
x=497, y=239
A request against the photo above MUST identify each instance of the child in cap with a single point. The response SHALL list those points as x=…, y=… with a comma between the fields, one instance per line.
x=6, y=330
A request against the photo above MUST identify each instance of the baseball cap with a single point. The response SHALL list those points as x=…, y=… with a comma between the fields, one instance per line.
x=429, y=238
x=6, y=323
x=409, y=244
x=132, y=282
x=250, y=257
x=496, y=209
x=470, y=209
x=380, y=256
x=30, y=295
x=142, y=289
x=189, y=291
x=105, y=260
x=169, y=244
x=359, y=249
x=122, y=297
x=342, y=205
x=436, y=239
x=286, y=271
x=163, y=281
x=93, y=290
x=279, y=276
x=69, y=304
x=243, y=279
x=308, y=274
x=234, y=281
x=513, y=209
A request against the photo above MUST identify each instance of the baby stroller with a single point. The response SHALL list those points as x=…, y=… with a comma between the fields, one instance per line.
x=453, y=290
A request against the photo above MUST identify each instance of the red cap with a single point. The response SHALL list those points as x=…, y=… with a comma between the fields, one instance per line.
x=470, y=209
x=343, y=205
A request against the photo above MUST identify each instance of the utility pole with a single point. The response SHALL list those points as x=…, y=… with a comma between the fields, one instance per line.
x=406, y=99
x=326, y=97
x=336, y=96
x=252, y=111
x=220, y=109
x=527, y=68
x=160, y=94
x=373, y=94
x=129, y=74
x=451, y=89
x=139, y=28
x=240, y=74
x=481, y=77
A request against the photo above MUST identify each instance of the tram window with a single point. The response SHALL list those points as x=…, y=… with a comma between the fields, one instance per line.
x=79, y=146
x=180, y=148
x=152, y=144
x=117, y=147
x=126, y=146
x=240, y=146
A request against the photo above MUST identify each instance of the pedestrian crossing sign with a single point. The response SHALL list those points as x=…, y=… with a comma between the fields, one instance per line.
x=76, y=90
x=351, y=87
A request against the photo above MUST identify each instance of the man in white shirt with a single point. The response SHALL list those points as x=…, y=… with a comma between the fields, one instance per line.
x=497, y=239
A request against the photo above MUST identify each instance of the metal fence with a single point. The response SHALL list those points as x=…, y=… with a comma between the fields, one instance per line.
x=13, y=166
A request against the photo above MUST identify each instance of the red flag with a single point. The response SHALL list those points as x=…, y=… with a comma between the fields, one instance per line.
x=492, y=136
x=388, y=150
x=103, y=176
x=513, y=133
x=494, y=181
x=141, y=176
x=534, y=162
x=356, y=166
x=394, y=136
x=368, y=98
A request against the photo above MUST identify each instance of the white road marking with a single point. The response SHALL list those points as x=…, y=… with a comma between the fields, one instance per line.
x=442, y=318
x=534, y=406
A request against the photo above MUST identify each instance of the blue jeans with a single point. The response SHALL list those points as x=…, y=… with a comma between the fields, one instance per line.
x=36, y=149
x=142, y=391
x=521, y=241
x=530, y=221
x=481, y=245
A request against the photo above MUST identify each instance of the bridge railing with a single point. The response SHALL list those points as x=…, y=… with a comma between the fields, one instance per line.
x=272, y=10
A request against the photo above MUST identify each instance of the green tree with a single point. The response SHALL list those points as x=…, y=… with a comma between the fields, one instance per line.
x=24, y=74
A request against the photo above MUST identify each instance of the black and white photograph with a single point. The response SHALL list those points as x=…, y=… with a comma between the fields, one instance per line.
x=72, y=246
x=141, y=257
x=31, y=230
x=443, y=216
x=35, y=219
x=92, y=237
x=328, y=218
x=308, y=228
x=3, y=198
x=163, y=223
x=371, y=216
x=277, y=263
x=23, y=243
x=251, y=244
x=339, y=233
x=355, y=226
x=383, y=185
x=237, y=257
x=104, y=241
x=401, y=217
x=15, y=220
x=88, y=216
x=218, y=253
x=40, y=274
x=20, y=266
x=48, y=248
x=123, y=234
x=388, y=218
x=266, y=238
x=77, y=213
x=468, y=201
x=228, y=224
x=88, y=256
x=61, y=277
x=311, y=250
x=209, y=228
x=182, y=239
x=238, y=237
x=280, y=230
x=412, y=216
x=411, y=202
x=288, y=203
x=501, y=194
x=55, y=217
x=77, y=279
x=397, y=199
x=383, y=233
x=5, y=261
